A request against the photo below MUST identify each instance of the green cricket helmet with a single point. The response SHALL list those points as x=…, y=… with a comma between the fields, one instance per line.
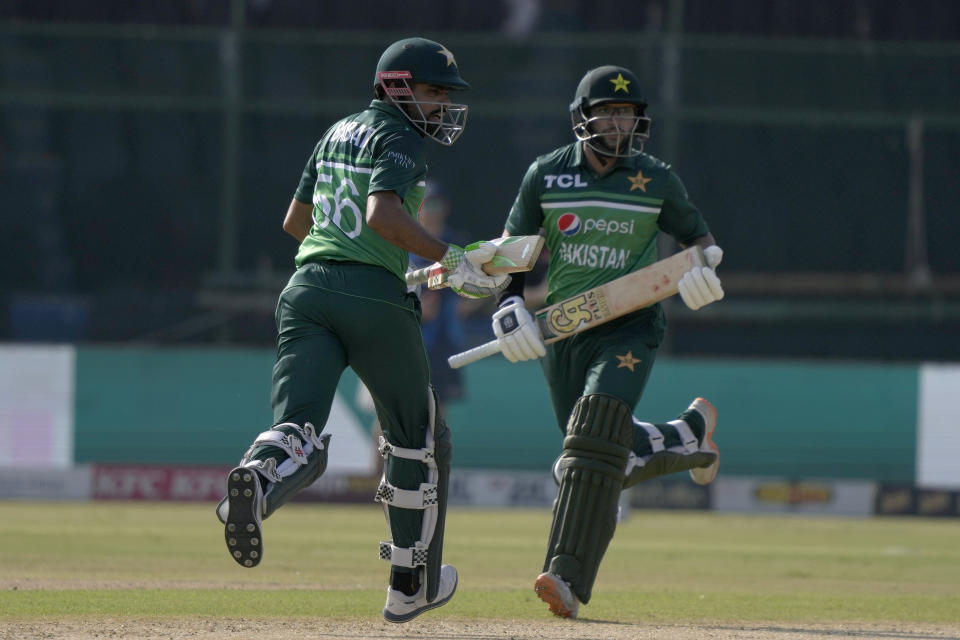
x=418, y=60
x=608, y=131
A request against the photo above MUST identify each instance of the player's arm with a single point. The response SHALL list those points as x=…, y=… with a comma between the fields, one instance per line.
x=702, y=241
x=299, y=219
x=386, y=215
x=514, y=326
x=700, y=286
x=525, y=218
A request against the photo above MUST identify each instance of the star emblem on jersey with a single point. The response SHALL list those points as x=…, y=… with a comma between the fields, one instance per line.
x=628, y=361
x=620, y=83
x=446, y=52
x=638, y=182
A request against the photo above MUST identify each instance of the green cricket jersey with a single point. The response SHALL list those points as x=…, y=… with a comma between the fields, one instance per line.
x=599, y=228
x=374, y=150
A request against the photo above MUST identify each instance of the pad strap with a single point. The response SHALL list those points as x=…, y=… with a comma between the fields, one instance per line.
x=663, y=461
x=424, y=455
x=422, y=498
x=310, y=434
x=298, y=450
x=653, y=434
x=290, y=444
x=412, y=557
x=690, y=444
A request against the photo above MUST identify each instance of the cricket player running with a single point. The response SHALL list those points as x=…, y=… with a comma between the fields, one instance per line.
x=601, y=202
x=355, y=214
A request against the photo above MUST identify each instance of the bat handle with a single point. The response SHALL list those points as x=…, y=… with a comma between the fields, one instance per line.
x=418, y=276
x=458, y=360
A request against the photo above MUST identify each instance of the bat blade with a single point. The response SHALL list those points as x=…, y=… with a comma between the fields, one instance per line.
x=604, y=303
x=514, y=254
x=616, y=298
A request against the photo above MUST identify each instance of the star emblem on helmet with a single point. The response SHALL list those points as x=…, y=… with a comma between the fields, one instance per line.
x=638, y=182
x=446, y=52
x=620, y=83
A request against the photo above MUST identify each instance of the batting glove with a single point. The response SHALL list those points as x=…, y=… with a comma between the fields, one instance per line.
x=700, y=286
x=466, y=277
x=517, y=332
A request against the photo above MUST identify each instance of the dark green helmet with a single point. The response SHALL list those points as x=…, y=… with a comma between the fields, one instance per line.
x=610, y=84
x=423, y=60
x=418, y=60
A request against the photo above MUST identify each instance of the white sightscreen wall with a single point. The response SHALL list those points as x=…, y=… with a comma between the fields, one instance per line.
x=938, y=427
x=36, y=406
x=352, y=448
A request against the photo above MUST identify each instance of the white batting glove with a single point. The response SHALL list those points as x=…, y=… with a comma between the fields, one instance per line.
x=517, y=332
x=700, y=286
x=466, y=277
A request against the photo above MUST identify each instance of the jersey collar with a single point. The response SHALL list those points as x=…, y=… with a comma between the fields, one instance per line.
x=580, y=160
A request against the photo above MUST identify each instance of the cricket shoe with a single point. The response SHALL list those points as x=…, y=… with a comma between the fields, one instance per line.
x=243, y=517
x=706, y=475
x=555, y=591
x=402, y=608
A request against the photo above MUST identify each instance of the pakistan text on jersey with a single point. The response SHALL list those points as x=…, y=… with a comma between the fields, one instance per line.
x=591, y=255
x=354, y=132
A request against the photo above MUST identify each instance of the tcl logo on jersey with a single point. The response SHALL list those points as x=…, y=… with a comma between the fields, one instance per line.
x=568, y=224
x=564, y=181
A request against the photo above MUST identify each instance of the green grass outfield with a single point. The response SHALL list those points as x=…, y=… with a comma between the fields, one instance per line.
x=61, y=561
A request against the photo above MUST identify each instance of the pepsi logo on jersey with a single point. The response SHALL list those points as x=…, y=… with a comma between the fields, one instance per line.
x=568, y=224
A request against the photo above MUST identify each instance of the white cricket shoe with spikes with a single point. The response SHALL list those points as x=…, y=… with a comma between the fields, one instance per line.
x=555, y=591
x=706, y=475
x=402, y=608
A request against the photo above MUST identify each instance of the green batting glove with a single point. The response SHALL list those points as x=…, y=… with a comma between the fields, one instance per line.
x=452, y=258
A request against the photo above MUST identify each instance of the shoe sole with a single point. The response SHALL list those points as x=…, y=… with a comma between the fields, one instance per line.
x=546, y=589
x=407, y=617
x=706, y=475
x=242, y=529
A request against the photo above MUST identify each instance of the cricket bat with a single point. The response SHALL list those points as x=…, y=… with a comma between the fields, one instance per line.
x=593, y=307
x=514, y=254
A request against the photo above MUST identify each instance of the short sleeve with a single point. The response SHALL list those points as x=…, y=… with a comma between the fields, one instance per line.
x=308, y=179
x=679, y=216
x=526, y=215
x=398, y=164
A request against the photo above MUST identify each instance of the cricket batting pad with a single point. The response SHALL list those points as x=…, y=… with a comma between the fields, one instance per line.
x=430, y=499
x=289, y=458
x=662, y=449
x=595, y=453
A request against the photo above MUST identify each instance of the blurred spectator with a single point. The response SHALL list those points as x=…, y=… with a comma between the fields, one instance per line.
x=442, y=309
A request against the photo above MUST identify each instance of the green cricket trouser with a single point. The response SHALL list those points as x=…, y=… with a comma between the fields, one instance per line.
x=614, y=358
x=333, y=315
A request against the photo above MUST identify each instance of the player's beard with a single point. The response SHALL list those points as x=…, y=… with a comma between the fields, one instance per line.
x=431, y=126
x=434, y=122
x=605, y=148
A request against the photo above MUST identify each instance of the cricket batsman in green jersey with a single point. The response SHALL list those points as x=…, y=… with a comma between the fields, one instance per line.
x=601, y=203
x=355, y=215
